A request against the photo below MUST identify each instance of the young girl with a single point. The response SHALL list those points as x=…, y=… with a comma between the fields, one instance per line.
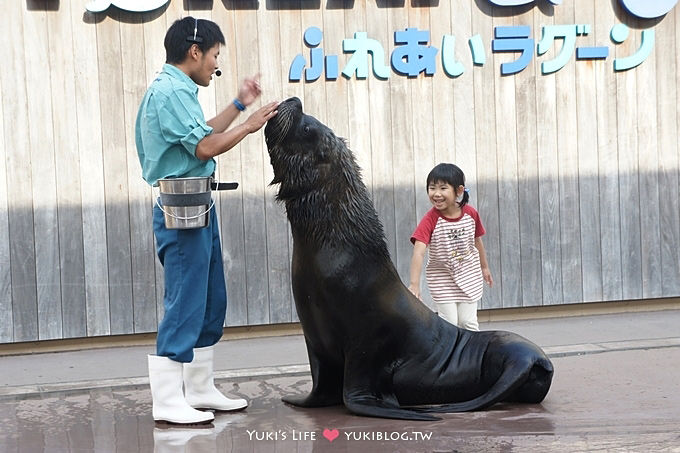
x=457, y=264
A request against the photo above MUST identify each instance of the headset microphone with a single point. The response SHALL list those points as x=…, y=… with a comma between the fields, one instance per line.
x=218, y=73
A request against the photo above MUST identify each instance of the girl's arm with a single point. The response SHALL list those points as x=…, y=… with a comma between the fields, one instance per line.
x=486, y=273
x=416, y=267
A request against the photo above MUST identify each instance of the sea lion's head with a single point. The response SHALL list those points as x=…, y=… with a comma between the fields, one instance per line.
x=305, y=154
x=320, y=183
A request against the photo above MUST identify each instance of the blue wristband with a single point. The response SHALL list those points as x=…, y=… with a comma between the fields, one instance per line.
x=238, y=104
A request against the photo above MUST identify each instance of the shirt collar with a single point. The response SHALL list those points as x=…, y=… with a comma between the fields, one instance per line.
x=176, y=73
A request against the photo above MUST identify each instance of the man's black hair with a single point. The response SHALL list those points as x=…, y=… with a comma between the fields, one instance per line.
x=184, y=33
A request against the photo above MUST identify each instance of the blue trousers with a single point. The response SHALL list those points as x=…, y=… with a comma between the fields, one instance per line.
x=195, y=291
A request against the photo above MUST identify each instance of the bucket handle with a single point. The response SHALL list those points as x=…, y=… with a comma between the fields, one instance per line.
x=178, y=217
x=191, y=217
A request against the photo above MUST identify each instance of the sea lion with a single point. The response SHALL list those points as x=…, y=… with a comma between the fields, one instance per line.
x=372, y=344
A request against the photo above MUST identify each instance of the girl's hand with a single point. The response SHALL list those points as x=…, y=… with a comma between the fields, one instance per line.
x=486, y=273
x=415, y=290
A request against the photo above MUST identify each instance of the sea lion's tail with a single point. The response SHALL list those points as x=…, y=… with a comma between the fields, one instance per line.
x=513, y=377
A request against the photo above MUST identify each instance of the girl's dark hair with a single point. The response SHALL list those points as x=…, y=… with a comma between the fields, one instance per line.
x=450, y=174
x=180, y=37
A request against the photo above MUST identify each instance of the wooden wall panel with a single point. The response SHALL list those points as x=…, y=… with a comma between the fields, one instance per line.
x=229, y=165
x=6, y=334
x=115, y=166
x=375, y=140
x=248, y=64
x=91, y=159
x=73, y=308
x=648, y=170
x=142, y=251
x=588, y=200
x=402, y=131
x=528, y=121
x=278, y=253
x=569, y=244
x=43, y=180
x=667, y=80
x=507, y=171
x=575, y=174
x=19, y=180
x=608, y=168
x=548, y=185
x=487, y=164
x=423, y=119
x=628, y=171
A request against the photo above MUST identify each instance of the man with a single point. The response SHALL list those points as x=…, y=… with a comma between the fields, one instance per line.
x=174, y=141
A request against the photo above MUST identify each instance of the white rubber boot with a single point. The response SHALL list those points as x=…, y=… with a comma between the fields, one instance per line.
x=169, y=405
x=199, y=384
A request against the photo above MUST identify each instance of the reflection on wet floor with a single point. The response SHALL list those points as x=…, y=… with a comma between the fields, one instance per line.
x=118, y=420
x=585, y=410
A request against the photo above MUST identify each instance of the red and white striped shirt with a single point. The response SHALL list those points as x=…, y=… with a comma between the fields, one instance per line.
x=453, y=271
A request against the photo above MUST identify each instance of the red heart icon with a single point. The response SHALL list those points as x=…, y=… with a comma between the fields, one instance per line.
x=330, y=434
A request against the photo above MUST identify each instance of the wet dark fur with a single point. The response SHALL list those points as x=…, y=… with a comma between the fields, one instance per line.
x=372, y=345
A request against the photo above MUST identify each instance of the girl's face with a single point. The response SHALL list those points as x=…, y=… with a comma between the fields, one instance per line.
x=443, y=196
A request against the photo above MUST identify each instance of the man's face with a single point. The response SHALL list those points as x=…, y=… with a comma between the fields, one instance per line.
x=207, y=64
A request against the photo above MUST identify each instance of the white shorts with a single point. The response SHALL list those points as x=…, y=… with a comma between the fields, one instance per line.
x=460, y=314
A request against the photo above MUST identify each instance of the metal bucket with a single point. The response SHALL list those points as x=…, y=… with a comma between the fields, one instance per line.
x=186, y=202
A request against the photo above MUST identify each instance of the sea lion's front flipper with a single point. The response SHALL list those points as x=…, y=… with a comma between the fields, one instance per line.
x=513, y=376
x=326, y=385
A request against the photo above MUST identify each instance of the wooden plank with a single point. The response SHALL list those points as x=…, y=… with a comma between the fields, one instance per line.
x=487, y=166
x=610, y=221
x=464, y=152
x=588, y=186
x=154, y=55
x=648, y=162
x=278, y=253
x=206, y=95
x=567, y=197
x=88, y=115
x=141, y=219
x=443, y=86
x=377, y=134
x=405, y=179
x=19, y=181
x=422, y=120
x=67, y=165
x=315, y=91
x=548, y=186
x=231, y=203
x=506, y=155
x=115, y=165
x=628, y=171
x=45, y=222
x=358, y=104
x=248, y=64
x=6, y=322
x=527, y=122
x=290, y=34
x=667, y=80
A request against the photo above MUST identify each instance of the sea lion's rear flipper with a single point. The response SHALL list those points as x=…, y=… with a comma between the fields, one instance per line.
x=370, y=406
x=514, y=375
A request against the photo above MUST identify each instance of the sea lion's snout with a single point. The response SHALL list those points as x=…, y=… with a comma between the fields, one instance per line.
x=277, y=128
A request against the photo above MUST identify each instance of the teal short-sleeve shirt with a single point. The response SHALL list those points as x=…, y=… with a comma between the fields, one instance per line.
x=170, y=123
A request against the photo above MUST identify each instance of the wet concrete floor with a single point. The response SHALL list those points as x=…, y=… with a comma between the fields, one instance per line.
x=627, y=401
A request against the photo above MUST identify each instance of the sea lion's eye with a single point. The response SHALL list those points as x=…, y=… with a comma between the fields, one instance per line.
x=306, y=129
